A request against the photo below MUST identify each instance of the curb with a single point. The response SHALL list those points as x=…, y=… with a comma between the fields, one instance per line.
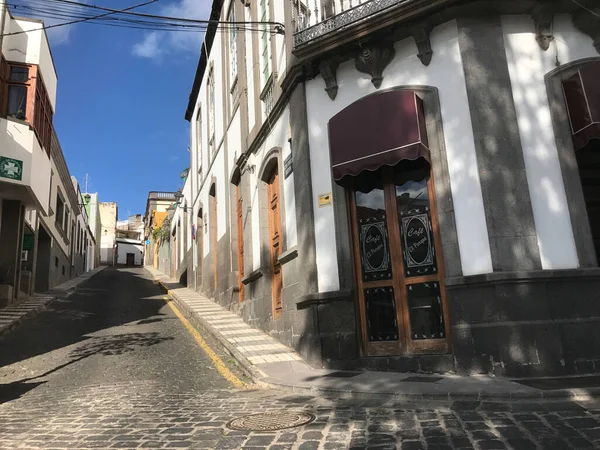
x=32, y=312
x=54, y=295
x=264, y=381
x=250, y=370
x=481, y=396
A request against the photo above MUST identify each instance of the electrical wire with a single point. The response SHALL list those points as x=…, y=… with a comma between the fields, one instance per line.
x=586, y=8
x=78, y=20
x=68, y=9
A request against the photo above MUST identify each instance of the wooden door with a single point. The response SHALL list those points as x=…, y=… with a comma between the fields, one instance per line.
x=275, y=243
x=240, y=236
x=130, y=259
x=214, y=241
x=398, y=265
x=200, y=250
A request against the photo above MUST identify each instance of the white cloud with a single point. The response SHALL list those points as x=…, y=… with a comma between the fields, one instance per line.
x=156, y=43
x=149, y=47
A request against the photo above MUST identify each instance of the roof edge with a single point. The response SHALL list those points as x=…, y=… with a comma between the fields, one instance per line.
x=209, y=38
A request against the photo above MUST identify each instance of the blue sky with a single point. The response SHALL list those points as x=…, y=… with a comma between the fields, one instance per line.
x=121, y=100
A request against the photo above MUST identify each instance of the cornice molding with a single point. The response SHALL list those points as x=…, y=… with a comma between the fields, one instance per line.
x=373, y=59
x=421, y=36
x=543, y=19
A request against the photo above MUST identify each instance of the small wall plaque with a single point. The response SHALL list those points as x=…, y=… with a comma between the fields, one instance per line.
x=325, y=200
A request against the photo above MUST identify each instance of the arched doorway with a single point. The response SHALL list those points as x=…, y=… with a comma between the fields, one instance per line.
x=582, y=96
x=397, y=251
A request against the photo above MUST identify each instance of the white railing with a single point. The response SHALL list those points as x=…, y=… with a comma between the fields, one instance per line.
x=315, y=18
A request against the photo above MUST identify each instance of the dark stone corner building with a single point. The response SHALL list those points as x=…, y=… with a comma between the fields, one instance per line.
x=401, y=185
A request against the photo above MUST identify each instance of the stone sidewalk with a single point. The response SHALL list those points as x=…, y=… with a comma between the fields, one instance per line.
x=13, y=314
x=271, y=364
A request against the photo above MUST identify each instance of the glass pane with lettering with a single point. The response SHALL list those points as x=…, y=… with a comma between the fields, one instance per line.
x=381, y=314
x=416, y=231
x=425, y=310
x=373, y=235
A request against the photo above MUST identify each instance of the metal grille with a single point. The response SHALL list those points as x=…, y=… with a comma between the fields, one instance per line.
x=340, y=14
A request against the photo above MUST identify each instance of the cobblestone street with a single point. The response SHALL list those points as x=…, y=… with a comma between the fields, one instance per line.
x=113, y=367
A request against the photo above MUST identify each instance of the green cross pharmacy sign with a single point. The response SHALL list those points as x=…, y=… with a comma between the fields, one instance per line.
x=11, y=168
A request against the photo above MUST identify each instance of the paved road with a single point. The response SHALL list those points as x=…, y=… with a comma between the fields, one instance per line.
x=113, y=367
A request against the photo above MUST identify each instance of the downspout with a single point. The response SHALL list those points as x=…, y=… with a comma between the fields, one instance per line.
x=2, y=21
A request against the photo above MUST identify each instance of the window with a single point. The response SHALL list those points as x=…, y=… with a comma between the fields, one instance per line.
x=42, y=117
x=265, y=42
x=199, y=144
x=56, y=261
x=232, y=46
x=18, y=83
x=66, y=221
x=211, y=111
x=60, y=212
x=26, y=99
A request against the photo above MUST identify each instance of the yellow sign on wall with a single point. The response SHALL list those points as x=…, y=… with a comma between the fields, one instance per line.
x=325, y=200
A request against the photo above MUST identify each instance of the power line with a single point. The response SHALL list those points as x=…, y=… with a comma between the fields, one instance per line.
x=79, y=20
x=586, y=8
x=73, y=10
x=180, y=19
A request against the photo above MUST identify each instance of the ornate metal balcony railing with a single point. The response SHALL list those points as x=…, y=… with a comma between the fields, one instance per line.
x=316, y=18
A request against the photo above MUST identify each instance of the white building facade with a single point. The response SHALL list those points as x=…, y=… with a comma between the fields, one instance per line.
x=27, y=105
x=401, y=185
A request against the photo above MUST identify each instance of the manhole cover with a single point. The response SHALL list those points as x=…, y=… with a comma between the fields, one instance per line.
x=270, y=421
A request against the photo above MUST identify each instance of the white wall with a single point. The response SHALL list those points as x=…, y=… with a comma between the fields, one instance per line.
x=31, y=48
x=136, y=249
x=527, y=65
x=446, y=73
x=18, y=141
x=277, y=138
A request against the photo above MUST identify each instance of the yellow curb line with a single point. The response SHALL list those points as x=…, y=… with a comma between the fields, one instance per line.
x=217, y=362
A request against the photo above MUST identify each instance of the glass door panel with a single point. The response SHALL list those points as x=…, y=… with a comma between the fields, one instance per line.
x=373, y=262
x=398, y=267
x=425, y=311
x=373, y=236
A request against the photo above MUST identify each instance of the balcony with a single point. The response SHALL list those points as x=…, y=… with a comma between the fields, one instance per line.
x=338, y=21
x=154, y=195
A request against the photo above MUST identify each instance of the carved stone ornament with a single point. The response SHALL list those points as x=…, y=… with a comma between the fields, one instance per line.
x=543, y=18
x=328, y=69
x=588, y=24
x=373, y=59
x=421, y=37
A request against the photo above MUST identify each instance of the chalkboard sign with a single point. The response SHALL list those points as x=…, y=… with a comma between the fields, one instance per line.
x=374, y=251
x=287, y=166
x=417, y=241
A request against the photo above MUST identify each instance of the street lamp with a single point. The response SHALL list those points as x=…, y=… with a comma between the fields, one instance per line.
x=178, y=197
x=87, y=198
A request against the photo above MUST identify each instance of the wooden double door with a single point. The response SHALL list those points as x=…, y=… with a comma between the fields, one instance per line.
x=398, y=265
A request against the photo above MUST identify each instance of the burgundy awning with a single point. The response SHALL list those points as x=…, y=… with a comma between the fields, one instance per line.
x=582, y=93
x=382, y=129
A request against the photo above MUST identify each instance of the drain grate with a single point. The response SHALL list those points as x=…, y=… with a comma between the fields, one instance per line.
x=418, y=379
x=271, y=421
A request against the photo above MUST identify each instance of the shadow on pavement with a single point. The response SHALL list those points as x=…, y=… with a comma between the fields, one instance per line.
x=112, y=298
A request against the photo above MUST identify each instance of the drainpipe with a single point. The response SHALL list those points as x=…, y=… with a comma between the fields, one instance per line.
x=4, y=9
